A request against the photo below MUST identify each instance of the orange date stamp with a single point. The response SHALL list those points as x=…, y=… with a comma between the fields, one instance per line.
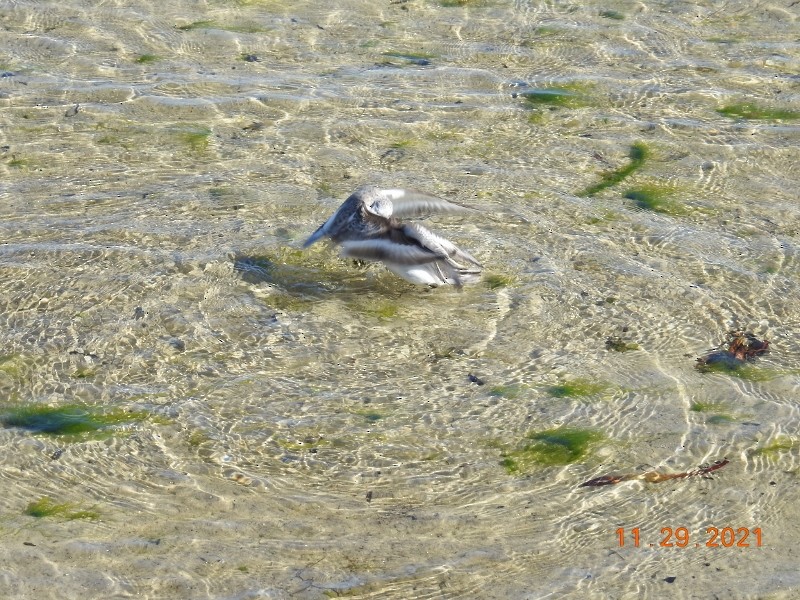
x=680, y=537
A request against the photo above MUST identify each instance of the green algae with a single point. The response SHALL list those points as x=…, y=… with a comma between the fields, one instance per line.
x=576, y=388
x=756, y=374
x=83, y=372
x=144, y=59
x=567, y=96
x=724, y=40
x=495, y=281
x=720, y=419
x=638, y=154
x=441, y=353
x=109, y=139
x=404, y=143
x=307, y=444
x=553, y=447
x=372, y=416
x=374, y=307
x=780, y=444
x=46, y=507
x=617, y=344
x=197, y=438
x=716, y=412
x=18, y=163
x=70, y=420
x=197, y=25
x=547, y=30
x=12, y=365
x=612, y=14
x=771, y=268
x=220, y=193
x=750, y=111
x=506, y=391
x=385, y=310
x=657, y=199
x=292, y=269
x=742, y=370
x=706, y=406
x=288, y=302
x=196, y=138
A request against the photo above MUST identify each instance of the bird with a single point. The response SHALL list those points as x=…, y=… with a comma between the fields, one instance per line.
x=367, y=226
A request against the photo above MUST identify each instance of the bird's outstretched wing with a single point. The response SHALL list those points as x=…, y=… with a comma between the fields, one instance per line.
x=437, y=244
x=408, y=203
x=388, y=251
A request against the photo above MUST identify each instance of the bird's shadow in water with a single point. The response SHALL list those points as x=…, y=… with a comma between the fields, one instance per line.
x=306, y=277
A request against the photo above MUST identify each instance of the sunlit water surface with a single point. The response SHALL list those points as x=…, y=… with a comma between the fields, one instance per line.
x=301, y=426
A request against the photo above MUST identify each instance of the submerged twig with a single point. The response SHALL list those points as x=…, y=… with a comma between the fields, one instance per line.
x=655, y=476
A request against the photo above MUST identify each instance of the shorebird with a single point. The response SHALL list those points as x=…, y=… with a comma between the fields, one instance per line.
x=367, y=226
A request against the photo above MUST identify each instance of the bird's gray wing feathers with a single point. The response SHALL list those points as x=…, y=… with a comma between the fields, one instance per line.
x=407, y=203
x=320, y=232
x=388, y=251
x=438, y=244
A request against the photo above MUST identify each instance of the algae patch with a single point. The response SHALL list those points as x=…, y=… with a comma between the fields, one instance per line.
x=577, y=388
x=612, y=14
x=750, y=111
x=561, y=446
x=46, y=507
x=781, y=444
x=506, y=391
x=655, y=198
x=570, y=95
x=144, y=59
x=196, y=138
x=617, y=344
x=309, y=443
x=567, y=97
x=706, y=406
x=369, y=305
x=495, y=281
x=745, y=371
x=13, y=365
x=371, y=416
x=638, y=154
x=289, y=268
x=66, y=420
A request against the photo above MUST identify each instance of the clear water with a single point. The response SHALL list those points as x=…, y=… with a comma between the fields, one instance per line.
x=305, y=427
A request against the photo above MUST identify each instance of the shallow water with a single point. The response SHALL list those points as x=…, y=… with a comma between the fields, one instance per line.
x=305, y=427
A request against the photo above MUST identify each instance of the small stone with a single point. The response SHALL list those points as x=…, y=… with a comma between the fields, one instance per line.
x=475, y=380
